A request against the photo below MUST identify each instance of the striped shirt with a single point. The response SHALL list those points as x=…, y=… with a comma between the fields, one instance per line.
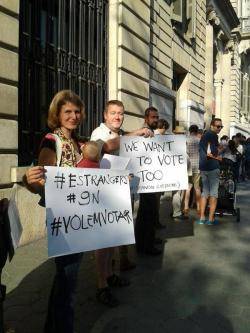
x=193, y=152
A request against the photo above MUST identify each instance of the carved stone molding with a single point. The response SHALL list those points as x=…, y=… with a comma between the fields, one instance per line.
x=220, y=35
x=230, y=46
x=213, y=18
x=218, y=82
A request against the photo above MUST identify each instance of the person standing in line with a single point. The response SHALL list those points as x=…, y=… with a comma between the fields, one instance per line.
x=209, y=166
x=148, y=211
x=238, y=142
x=162, y=127
x=178, y=196
x=247, y=155
x=66, y=112
x=194, y=181
x=107, y=136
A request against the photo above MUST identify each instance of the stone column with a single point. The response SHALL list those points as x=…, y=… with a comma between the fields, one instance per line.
x=219, y=76
x=212, y=20
x=226, y=93
x=218, y=83
x=209, y=74
x=113, y=46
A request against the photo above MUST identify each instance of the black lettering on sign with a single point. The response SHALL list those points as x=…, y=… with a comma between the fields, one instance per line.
x=170, y=159
x=59, y=180
x=88, y=197
x=158, y=147
x=75, y=223
x=71, y=197
x=104, y=217
x=144, y=160
x=66, y=224
x=147, y=175
x=72, y=180
x=131, y=147
x=80, y=181
x=55, y=226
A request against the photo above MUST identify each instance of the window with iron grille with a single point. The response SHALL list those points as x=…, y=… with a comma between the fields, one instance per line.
x=63, y=45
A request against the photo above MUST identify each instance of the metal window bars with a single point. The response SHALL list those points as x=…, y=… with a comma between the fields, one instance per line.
x=63, y=45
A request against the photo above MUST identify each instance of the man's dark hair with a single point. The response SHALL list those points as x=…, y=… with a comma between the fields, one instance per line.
x=200, y=131
x=193, y=129
x=224, y=137
x=238, y=135
x=232, y=146
x=162, y=123
x=150, y=109
x=213, y=121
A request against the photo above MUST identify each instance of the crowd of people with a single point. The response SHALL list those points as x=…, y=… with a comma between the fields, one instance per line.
x=204, y=152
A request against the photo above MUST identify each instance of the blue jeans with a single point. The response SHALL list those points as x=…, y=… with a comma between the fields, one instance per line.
x=60, y=316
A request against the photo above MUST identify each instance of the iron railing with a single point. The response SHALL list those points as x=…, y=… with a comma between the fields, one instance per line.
x=63, y=44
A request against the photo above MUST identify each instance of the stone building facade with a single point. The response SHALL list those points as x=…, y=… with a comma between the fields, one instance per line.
x=188, y=58
x=157, y=57
x=242, y=122
x=9, y=35
x=227, y=93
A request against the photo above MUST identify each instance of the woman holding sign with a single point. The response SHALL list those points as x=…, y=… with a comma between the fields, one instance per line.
x=62, y=148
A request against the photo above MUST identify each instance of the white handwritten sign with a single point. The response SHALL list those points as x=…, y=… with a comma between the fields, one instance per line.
x=158, y=164
x=87, y=209
x=114, y=162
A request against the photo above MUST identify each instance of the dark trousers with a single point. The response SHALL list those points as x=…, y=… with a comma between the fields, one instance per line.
x=2, y=297
x=60, y=316
x=147, y=218
x=247, y=165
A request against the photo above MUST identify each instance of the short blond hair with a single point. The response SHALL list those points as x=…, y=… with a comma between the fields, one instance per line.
x=113, y=102
x=90, y=150
x=60, y=99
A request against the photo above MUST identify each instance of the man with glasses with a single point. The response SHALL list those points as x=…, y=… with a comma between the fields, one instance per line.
x=209, y=166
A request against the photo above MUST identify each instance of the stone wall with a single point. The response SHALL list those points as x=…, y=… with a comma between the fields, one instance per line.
x=9, y=34
x=129, y=38
x=142, y=48
x=32, y=216
x=169, y=49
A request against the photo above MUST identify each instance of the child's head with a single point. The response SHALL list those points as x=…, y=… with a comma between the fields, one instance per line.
x=90, y=151
x=162, y=126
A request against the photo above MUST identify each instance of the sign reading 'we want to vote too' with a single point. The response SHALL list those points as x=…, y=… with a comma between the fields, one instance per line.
x=158, y=164
x=87, y=209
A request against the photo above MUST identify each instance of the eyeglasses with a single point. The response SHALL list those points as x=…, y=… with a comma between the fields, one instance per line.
x=219, y=126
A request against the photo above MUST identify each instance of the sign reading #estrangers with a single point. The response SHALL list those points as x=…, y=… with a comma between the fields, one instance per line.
x=87, y=209
x=156, y=164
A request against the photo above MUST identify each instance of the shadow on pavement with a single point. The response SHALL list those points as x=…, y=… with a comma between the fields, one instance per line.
x=199, y=285
x=26, y=306
x=179, y=229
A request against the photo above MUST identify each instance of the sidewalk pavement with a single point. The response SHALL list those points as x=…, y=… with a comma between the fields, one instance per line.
x=201, y=283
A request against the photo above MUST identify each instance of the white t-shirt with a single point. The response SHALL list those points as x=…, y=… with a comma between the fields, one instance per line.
x=102, y=134
x=240, y=149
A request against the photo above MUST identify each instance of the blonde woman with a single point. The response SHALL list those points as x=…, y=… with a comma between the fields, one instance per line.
x=66, y=112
